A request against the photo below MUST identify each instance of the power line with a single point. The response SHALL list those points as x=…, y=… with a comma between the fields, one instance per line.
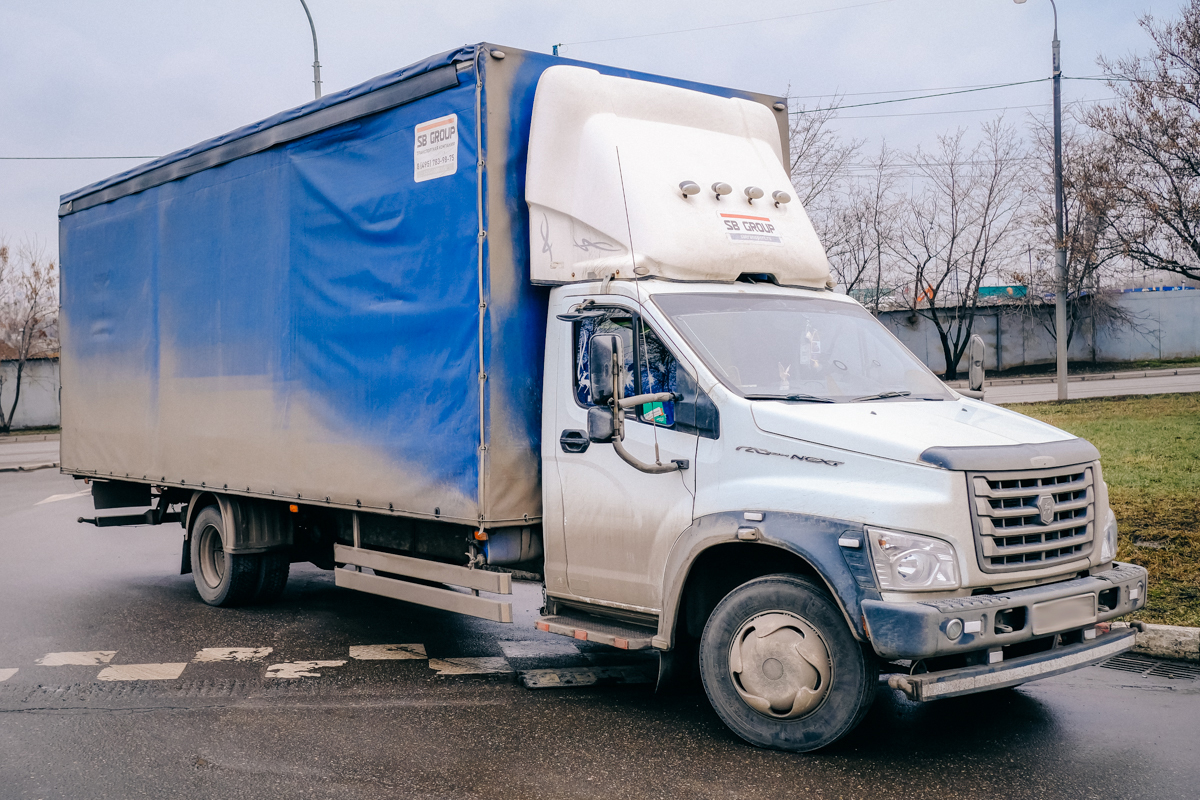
x=728, y=24
x=923, y=96
x=968, y=110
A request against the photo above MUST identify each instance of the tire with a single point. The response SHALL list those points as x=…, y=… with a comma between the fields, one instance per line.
x=272, y=576
x=222, y=579
x=803, y=683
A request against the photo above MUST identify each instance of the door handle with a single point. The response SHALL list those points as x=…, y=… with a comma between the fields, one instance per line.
x=574, y=441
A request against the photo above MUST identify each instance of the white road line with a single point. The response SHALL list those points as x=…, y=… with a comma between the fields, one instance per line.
x=469, y=666
x=210, y=654
x=90, y=658
x=387, y=652
x=300, y=669
x=535, y=649
x=141, y=672
x=5, y=674
x=54, y=498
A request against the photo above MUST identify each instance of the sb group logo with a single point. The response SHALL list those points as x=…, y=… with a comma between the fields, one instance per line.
x=435, y=148
x=747, y=229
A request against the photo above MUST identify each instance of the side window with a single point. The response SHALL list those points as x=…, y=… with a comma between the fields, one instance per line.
x=585, y=329
x=645, y=356
x=659, y=373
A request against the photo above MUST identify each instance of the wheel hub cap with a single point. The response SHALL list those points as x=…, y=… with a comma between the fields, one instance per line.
x=779, y=665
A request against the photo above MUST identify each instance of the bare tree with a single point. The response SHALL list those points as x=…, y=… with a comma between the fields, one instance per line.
x=1152, y=158
x=960, y=225
x=861, y=231
x=820, y=159
x=1095, y=256
x=28, y=314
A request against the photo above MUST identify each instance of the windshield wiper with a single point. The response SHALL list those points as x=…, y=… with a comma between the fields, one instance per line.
x=803, y=398
x=881, y=396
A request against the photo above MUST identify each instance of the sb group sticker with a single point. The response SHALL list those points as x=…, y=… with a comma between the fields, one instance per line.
x=435, y=148
x=750, y=230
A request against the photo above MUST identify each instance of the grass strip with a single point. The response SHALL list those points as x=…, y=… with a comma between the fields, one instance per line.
x=1150, y=454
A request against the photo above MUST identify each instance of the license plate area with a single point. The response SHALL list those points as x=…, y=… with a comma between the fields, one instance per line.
x=1063, y=614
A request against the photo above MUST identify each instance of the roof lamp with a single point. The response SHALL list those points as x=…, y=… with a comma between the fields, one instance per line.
x=721, y=188
x=781, y=198
x=689, y=188
x=753, y=193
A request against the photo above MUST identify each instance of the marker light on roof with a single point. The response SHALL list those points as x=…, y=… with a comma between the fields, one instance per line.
x=689, y=188
x=781, y=198
x=721, y=188
x=753, y=193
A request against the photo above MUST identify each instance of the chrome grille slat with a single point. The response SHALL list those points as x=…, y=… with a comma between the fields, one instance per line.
x=1009, y=531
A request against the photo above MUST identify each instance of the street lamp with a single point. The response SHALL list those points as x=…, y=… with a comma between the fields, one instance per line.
x=317, y=61
x=1060, y=243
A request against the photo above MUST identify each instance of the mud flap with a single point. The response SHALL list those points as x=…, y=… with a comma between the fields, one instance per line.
x=185, y=563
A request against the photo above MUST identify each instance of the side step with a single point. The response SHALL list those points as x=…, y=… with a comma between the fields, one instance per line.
x=587, y=628
x=434, y=597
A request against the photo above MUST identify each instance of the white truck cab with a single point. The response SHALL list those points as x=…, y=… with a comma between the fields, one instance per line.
x=750, y=470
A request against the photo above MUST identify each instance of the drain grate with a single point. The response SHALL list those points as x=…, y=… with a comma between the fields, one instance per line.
x=1149, y=668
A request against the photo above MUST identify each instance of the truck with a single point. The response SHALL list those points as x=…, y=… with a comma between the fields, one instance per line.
x=500, y=312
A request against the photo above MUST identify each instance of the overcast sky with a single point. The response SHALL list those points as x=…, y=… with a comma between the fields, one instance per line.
x=147, y=77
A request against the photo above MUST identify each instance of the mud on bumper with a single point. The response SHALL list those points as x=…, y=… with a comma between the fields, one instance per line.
x=1018, y=623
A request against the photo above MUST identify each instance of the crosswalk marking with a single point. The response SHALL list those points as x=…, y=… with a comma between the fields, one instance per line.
x=469, y=666
x=210, y=654
x=387, y=652
x=54, y=498
x=300, y=669
x=535, y=649
x=141, y=672
x=89, y=658
x=5, y=674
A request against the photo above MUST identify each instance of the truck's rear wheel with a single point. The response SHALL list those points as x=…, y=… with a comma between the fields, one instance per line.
x=781, y=668
x=222, y=578
x=273, y=576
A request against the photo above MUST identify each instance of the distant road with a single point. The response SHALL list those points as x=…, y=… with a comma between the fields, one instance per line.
x=27, y=454
x=1039, y=392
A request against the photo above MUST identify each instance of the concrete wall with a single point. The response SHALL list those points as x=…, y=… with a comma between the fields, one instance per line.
x=1168, y=327
x=38, y=405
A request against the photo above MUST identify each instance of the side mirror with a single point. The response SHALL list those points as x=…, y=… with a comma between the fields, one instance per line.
x=975, y=352
x=601, y=426
x=604, y=366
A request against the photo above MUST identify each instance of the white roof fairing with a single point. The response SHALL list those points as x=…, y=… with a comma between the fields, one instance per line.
x=665, y=135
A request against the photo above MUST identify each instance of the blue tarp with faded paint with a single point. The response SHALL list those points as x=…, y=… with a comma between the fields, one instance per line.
x=286, y=312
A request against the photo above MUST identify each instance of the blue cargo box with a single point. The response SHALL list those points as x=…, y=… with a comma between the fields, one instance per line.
x=331, y=305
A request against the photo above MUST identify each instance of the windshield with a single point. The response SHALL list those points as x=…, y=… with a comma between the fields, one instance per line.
x=799, y=348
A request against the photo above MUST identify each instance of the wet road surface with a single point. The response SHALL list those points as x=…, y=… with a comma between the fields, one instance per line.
x=360, y=727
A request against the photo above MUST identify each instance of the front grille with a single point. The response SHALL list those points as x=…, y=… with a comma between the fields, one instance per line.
x=1012, y=532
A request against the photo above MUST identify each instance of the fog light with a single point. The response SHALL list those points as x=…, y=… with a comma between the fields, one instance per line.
x=995, y=656
x=1089, y=634
x=954, y=629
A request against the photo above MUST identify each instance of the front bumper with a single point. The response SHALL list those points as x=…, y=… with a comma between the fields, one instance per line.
x=922, y=629
x=985, y=677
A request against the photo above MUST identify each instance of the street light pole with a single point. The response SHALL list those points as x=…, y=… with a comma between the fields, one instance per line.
x=317, y=60
x=1060, y=237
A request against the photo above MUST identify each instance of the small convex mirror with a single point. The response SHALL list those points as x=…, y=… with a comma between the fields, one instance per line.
x=604, y=360
x=601, y=427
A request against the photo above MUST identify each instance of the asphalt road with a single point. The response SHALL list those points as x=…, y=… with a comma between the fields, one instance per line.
x=28, y=453
x=364, y=728
x=1040, y=392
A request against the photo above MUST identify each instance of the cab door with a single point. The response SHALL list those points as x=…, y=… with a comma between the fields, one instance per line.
x=618, y=522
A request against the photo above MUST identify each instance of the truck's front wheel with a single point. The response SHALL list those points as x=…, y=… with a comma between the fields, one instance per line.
x=222, y=578
x=780, y=667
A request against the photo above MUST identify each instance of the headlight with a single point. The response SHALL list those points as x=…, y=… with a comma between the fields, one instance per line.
x=907, y=562
x=1108, y=543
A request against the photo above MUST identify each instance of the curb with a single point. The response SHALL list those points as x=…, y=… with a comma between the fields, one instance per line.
x=1166, y=641
x=28, y=467
x=1084, y=377
x=30, y=437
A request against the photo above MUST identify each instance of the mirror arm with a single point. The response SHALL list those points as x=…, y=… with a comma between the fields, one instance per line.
x=653, y=469
x=639, y=399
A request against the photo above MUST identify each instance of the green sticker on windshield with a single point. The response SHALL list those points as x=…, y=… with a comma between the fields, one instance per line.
x=654, y=413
